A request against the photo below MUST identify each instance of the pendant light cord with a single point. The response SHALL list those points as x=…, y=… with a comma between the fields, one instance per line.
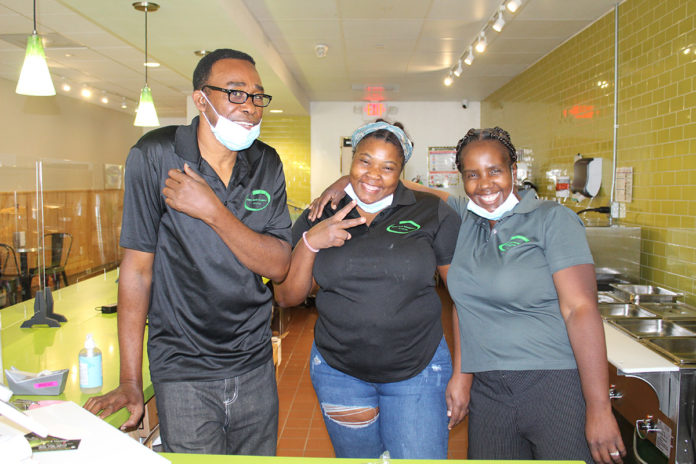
x=145, y=44
x=34, y=17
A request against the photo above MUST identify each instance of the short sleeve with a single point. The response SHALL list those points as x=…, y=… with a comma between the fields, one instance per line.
x=458, y=204
x=446, y=237
x=142, y=204
x=302, y=224
x=280, y=222
x=565, y=242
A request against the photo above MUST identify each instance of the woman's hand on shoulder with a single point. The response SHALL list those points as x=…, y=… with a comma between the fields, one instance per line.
x=333, y=193
x=604, y=438
x=332, y=232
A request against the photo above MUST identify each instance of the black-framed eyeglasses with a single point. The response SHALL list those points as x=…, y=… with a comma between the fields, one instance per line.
x=240, y=96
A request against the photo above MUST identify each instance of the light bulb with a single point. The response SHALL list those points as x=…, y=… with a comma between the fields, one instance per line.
x=86, y=92
x=448, y=80
x=481, y=43
x=513, y=5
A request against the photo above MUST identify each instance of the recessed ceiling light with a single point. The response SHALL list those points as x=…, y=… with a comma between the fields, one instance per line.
x=151, y=64
x=66, y=87
x=201, y=52
x=276, y=111
x=86, y=92
x=68, y=55
x=105, y=99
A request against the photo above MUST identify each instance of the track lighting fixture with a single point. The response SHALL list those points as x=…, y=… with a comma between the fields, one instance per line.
x=481, y=43
x=499, y=23
x=513, y=5
x=458, y=70
x=469, y=56
x=495, y=22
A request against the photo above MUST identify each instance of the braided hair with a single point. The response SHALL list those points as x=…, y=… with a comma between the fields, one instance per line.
x=475, y=135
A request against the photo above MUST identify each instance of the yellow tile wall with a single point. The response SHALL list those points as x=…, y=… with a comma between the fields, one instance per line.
x=657, y=124
x=290, y=136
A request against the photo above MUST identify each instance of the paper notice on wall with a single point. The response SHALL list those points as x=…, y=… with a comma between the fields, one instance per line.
x=442, y=169
x=623, y=190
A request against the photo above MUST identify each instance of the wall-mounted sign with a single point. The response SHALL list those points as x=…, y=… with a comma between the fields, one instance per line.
x=442, y=169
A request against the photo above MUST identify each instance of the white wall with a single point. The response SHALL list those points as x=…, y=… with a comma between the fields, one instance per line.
x=430, y=124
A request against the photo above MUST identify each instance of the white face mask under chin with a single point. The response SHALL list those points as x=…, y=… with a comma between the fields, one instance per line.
x=232, y=135
x=369, y=208
x=496, y=214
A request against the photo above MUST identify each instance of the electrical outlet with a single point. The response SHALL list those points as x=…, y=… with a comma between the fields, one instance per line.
x=615, y=209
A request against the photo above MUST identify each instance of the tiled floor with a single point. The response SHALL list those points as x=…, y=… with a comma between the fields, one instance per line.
x=301, y=427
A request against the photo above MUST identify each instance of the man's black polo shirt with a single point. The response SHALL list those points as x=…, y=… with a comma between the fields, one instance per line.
x=209, y=314
x=379, y=312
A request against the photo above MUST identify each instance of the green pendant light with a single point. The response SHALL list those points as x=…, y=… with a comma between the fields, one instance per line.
x=146, y=115
x=34, y=79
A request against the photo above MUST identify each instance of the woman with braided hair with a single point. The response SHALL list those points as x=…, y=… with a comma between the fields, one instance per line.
x=531, y=337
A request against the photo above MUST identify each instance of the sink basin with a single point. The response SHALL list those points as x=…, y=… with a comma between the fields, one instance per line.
x=671, y=311
x=649, y=328
x=609, y=297
x=645, y=293
x=681, y=350
x=622, y=310
x=687, y=324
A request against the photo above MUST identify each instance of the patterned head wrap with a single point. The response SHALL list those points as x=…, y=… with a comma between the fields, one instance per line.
x=361, y=132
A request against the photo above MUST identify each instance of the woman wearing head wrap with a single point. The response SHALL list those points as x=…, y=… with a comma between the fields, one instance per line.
x=379, y=363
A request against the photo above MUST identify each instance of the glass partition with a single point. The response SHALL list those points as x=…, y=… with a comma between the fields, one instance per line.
x=59, y=223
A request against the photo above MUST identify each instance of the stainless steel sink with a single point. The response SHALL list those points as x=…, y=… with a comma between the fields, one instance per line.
x=645, y=293
x=623, y=310
x=681, y=350
x=649, y=328
x=688, y=324
x=609, y=297
x=671, y=311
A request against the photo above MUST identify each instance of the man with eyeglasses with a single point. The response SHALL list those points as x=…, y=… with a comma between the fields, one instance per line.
x=204, y=217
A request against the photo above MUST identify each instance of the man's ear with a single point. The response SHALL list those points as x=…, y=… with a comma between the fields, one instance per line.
x=199, y=100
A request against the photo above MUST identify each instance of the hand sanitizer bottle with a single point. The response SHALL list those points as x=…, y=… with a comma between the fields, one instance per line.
x=90, y=367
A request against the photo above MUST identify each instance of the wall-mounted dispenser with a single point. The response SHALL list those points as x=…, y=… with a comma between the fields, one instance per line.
x=587, y=176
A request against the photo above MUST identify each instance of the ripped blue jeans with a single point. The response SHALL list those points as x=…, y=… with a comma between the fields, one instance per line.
x=409, y=418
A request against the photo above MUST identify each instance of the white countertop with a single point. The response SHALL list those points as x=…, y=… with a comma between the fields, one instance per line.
x=630, y=356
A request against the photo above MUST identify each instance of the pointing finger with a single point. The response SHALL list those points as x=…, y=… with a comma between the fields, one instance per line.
x=348, y=223
x=344, y=211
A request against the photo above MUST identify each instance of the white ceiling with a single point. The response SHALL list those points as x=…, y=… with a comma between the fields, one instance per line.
x=405, y=46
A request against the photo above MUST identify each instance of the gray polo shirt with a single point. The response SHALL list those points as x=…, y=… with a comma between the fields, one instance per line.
x=209, y=314
x=501, y=282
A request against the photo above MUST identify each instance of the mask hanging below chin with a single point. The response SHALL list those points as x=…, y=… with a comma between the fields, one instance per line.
x=497, y=213
x=232, y=135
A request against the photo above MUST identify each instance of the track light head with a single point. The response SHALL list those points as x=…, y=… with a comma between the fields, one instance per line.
x=513, y=5
x=481, y=43
x=458, y=69
x=469, y=56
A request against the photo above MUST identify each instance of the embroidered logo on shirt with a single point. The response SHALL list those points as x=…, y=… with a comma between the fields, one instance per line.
x=513, y=242
x=403, y=227
x=257, y=201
